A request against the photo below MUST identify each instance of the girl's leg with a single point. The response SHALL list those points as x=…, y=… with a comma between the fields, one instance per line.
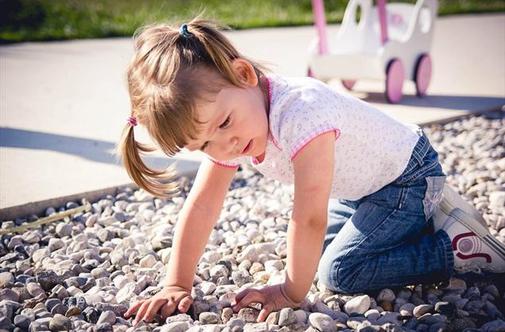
x=384, y=244
x=338, y=214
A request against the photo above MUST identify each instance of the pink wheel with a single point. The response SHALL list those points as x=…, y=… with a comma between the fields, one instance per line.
x=422, y=74
x=309, y=72
x=395, y=74
x=348, y=84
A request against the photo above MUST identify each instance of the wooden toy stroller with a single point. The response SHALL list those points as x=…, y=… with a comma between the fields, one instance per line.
x=390, y=42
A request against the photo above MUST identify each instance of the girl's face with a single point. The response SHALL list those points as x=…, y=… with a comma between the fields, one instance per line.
x=236, y=124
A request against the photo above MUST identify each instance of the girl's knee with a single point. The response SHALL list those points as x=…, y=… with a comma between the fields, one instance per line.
x=338, y=274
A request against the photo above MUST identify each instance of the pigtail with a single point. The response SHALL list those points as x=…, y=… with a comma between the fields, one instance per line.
x=158, y=183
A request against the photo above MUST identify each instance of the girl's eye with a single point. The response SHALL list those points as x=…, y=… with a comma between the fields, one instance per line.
x=225, y=123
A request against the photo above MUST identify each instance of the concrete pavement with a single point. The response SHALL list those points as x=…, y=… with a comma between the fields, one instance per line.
x=63, y=104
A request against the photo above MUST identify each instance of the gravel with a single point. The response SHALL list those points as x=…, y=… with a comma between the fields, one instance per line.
x=82, y=273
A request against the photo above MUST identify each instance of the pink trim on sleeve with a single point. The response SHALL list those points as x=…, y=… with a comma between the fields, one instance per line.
x=220, y=163
x=307, y=140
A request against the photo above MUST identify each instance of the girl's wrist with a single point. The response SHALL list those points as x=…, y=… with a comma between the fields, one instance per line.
x=287, y=297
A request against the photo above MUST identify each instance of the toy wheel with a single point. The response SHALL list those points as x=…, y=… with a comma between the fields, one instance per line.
x=309, y=72
x=395, y=74
x=348, y=84
x=422, y=74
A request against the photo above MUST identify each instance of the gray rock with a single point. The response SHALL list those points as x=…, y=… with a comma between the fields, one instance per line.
x=422, y=309
x=248, y=315
x=494, y=326
x=286, y=317
x=209, y=318
x=180, y=326
x=63, y=230
x=407, y=309
x=322, y=322
x=358, y=304
x=6, y=278
x=22, y=321
x=9, y=294
x=107, y=317
x=256, y=327
x=386, y=295
x=60, y=323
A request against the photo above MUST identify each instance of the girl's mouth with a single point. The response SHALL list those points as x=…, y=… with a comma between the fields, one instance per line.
x=248, y=147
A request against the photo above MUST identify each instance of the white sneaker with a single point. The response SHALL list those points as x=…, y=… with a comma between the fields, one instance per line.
x=475, y=249
x=450, y=201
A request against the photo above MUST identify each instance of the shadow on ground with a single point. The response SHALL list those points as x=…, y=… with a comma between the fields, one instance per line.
x=91, y=149
x=442, y=101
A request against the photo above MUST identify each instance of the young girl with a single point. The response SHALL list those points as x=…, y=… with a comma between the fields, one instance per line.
x=192, y=89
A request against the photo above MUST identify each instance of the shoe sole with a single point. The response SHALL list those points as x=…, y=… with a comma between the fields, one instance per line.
x=481, y=231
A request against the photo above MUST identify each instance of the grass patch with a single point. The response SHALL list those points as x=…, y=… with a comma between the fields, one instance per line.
x=34, y=20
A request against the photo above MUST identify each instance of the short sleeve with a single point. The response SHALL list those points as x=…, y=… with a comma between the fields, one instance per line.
x=311, y=114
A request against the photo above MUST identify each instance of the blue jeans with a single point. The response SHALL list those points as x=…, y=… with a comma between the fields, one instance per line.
x=386, y=239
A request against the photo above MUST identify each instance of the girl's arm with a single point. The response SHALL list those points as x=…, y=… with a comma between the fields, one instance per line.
x=313, y=168
x=196, y=220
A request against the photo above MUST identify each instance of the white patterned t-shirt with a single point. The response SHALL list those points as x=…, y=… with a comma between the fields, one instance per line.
x=371, y=148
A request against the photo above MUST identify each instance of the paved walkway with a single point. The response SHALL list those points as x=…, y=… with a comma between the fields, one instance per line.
x=63, y=104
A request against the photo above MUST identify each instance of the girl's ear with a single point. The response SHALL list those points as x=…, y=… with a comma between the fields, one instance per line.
x=245, y=71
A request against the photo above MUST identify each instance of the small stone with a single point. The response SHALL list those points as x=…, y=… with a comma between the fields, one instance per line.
x=358, y=304
x=176, y=327
x=48, y=279
x=226, y=314
x=432, y=319
x=301, y=316
x=147, y=261
x=273, y=318
x=446, y=308
x=386, y=295
x=6, y=278
x=286, y=317
x=422, y=309
x=63, y=230
x=241, y=277
x=497, y=200
x=9, y=294
x=493, y=290
x=22, y=321
x=209, y=318
x=322, y=322
x=372, y=314
x=256, y=327
x=60, y=323
x=107, y=317
x=407, y=309
x=249, y=315
x=494, y=326
x=91, y=315
x=73, y=311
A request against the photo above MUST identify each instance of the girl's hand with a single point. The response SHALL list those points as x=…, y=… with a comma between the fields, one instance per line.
x=166, y=301
x=272, y=298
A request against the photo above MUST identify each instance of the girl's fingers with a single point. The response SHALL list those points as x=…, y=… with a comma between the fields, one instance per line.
x=265, y=311
x=167, y=309
x=141, y=313
x=185, y=304
x=133, y=309
x=253, y=295
x=153, y=308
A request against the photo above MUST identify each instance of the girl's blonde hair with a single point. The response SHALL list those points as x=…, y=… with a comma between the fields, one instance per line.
x=169, y=73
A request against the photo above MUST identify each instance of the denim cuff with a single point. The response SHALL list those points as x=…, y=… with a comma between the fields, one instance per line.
x=444, y=244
